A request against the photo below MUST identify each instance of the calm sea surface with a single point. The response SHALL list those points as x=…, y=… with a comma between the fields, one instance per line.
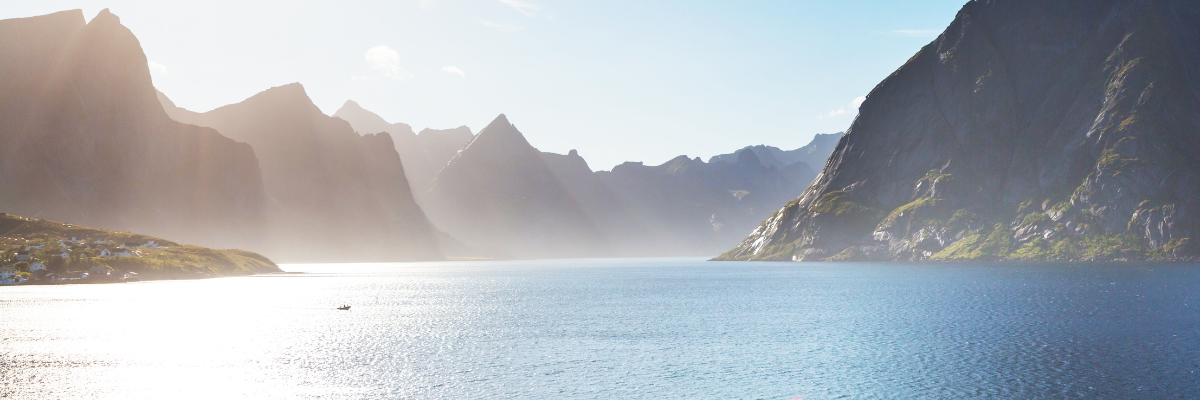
x=616, y=329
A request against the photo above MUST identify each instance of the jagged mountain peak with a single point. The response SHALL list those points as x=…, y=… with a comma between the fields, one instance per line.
x=501, y=120
x=499, y=136
x=106, y=17
x=498, y=191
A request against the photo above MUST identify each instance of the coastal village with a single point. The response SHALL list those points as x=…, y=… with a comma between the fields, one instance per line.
x=44, y=252
x=53, y=262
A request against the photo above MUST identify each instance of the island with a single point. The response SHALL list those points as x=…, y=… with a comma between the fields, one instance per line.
x=38, y=251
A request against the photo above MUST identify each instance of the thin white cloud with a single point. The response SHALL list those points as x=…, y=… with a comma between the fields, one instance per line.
x=917, y=32
x=853, y=106
x=501, y=27
x=454, y=70
x=157, y=70
x=835, y=113
x=529, y=9
x=427, y=3
x=387, y=62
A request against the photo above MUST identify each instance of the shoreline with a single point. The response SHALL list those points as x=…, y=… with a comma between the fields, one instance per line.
x=136, y=280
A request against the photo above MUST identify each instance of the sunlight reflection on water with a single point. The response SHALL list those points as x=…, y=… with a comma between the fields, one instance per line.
x=614, y=329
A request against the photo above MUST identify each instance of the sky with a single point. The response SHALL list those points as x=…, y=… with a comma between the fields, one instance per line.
x=618, y=80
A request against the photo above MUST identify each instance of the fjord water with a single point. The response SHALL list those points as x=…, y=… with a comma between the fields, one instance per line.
x=642, y=328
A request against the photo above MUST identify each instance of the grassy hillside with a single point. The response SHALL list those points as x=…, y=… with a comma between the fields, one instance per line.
x=169, y=261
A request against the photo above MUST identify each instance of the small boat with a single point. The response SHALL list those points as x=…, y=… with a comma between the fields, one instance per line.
x=344, y=308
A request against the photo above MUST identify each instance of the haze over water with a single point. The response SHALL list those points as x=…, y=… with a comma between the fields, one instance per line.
x=632, y=328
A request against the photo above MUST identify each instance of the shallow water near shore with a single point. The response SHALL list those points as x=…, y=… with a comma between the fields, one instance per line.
x=624, y=328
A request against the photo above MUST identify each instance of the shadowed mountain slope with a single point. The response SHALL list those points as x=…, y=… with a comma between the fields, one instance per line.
x=86, y=141
x=498, y=193
x=424, y=155
x=335, y=195
x=1028, y=130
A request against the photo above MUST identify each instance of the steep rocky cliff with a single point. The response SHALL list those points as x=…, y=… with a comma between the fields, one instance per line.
x=1028, y=130
x=85, y=141
x=335, y=195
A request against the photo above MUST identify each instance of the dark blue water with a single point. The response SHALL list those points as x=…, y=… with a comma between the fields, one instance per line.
x=664, y=328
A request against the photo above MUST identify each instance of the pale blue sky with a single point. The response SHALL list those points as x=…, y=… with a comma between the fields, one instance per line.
x=618, y=80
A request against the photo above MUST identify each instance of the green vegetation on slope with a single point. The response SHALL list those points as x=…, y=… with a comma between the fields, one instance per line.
x=163, y=260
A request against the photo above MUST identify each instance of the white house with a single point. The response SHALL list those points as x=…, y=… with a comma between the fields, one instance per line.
x=22, y=256
x=65, y=255
x=105, y=253
x=151, y=244
x=76, y=240
x=123, y=253
x=36, y=266
x=37, y=247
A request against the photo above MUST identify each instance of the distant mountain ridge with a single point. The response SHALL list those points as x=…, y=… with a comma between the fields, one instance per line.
x=814, y=153
x=693, y=208
x=1028, y=130
x=685, y=207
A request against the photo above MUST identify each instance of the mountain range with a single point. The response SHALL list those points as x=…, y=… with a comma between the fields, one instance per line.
x=1028, y=130
x=498, y=192
x=90, y=141
x=330, y=191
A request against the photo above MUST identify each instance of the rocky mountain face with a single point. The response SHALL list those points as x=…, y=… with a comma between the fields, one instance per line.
x=498, y=193
x=424, y=155
x=334, y=195
x=1028, y=130
x=813, y=154
x=85, y=141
